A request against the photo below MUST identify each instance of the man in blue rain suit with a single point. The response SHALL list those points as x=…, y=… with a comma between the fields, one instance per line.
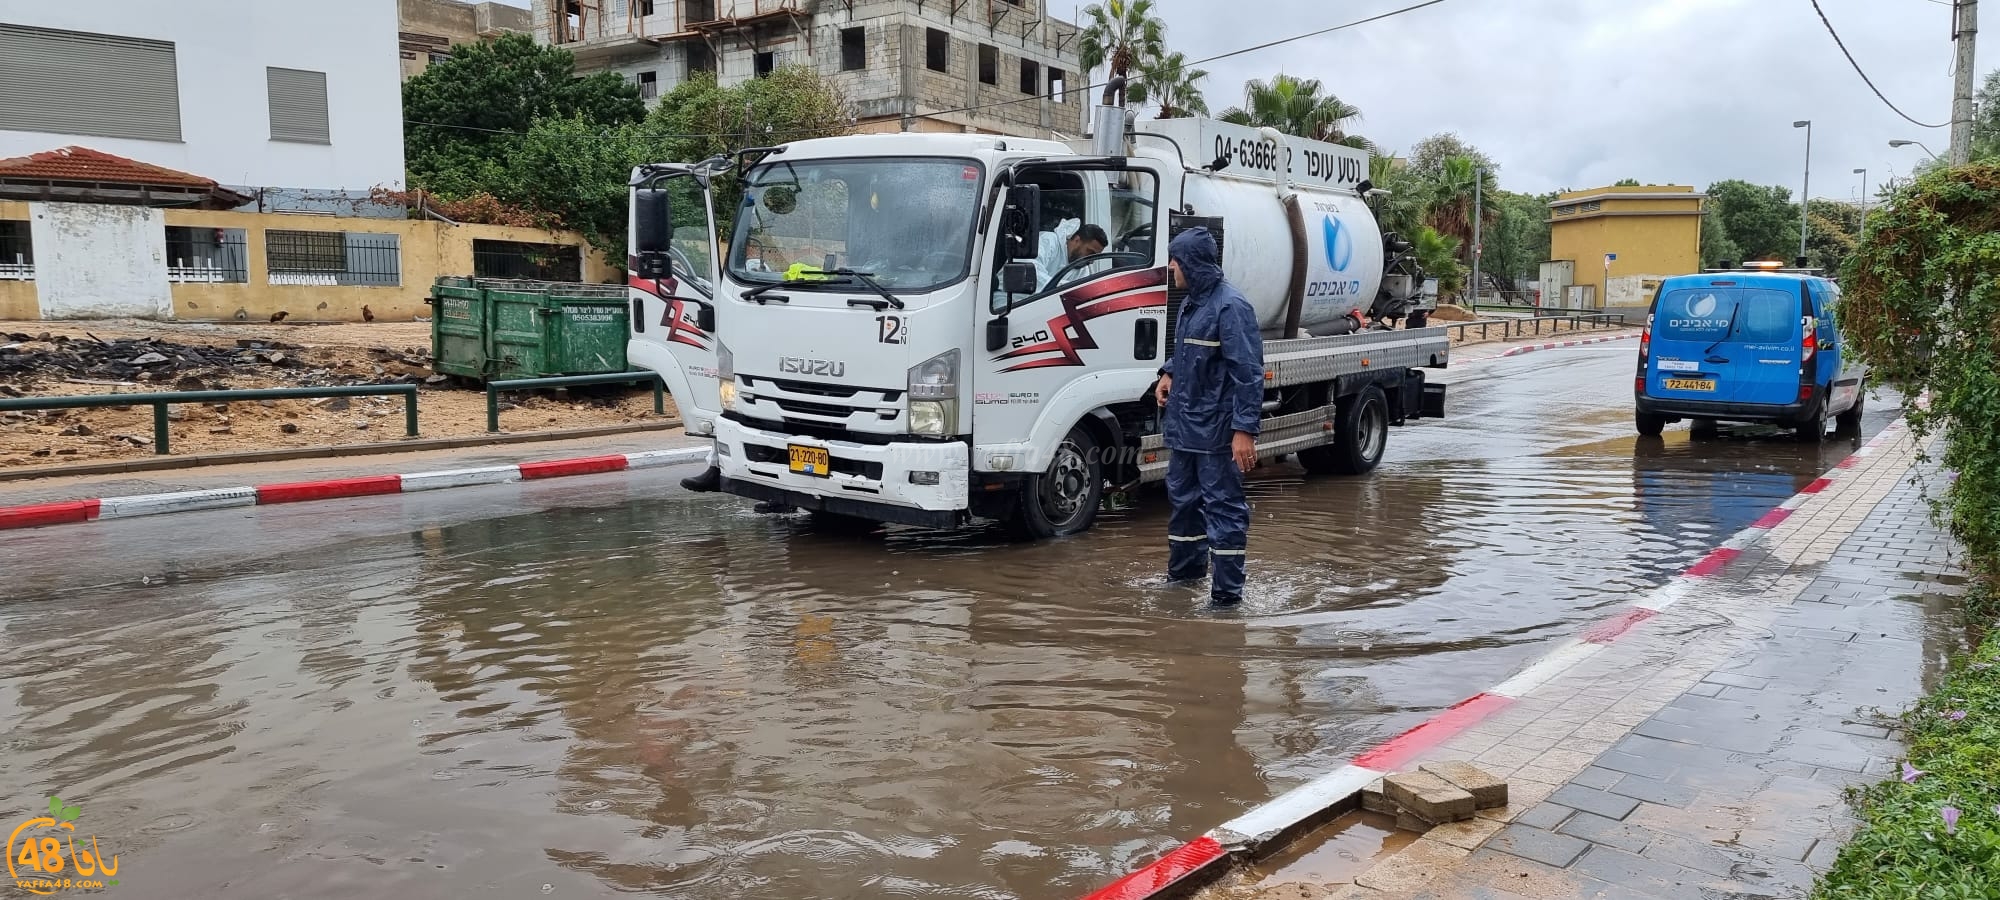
x=1212, y=390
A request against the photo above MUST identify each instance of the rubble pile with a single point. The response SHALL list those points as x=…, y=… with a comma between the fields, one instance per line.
x=26, y=358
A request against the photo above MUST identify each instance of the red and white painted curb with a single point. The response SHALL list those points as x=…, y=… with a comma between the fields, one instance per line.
x=1517, y=351
x=74, y=511
x=1257, y=832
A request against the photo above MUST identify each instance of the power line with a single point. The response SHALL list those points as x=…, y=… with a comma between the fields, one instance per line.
x=1864, y=75
x=988, y=106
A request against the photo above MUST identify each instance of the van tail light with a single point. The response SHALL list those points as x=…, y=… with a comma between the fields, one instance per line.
x=1805, y=392
x=1645, y=343
x=1811, y=345
x=1639, y=385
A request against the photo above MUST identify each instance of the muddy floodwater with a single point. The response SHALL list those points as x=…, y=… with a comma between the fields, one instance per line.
x=610, y=686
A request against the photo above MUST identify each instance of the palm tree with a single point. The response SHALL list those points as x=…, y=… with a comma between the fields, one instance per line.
x=1437, y=255
x=1173, y=84
x=1297, y=106
x=1123, y=34
x=1452, y=198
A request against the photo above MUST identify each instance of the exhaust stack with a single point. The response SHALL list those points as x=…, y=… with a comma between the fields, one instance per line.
x=1107, y=135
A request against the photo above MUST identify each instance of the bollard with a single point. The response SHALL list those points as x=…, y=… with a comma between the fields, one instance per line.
x=160, y=428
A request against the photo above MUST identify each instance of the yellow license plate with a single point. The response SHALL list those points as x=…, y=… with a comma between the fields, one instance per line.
x=815, y=461
x=1673, y=384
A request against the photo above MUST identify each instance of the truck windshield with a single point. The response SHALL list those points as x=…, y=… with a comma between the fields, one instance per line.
x=907, y=222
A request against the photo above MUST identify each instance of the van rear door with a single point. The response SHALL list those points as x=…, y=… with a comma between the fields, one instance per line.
x=1726, y=343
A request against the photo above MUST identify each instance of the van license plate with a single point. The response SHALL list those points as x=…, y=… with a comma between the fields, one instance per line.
x=1673, y=384
x=814, y=461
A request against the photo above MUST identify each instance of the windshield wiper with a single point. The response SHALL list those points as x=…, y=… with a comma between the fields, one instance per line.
x=1730, y=331
x=763, y=295
x=868, y=279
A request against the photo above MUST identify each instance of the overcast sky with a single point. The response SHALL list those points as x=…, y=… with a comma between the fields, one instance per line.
x=1582, y=93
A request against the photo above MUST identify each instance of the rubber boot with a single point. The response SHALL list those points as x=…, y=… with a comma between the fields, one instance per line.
x=707, y=482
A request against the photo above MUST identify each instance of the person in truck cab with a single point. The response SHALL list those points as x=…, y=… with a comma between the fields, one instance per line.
x=1070, y=241
x=1212, y=389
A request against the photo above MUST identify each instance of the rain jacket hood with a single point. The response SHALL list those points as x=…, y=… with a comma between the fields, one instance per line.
x=1195, y=251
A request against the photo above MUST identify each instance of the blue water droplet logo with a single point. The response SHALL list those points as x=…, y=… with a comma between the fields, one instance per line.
x=1339, y=245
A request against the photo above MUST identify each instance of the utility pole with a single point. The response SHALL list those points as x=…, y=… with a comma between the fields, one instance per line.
x=1965, y=27
x=1478, y=178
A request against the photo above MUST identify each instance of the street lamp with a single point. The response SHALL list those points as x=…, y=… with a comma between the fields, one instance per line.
x=1805, y=193
x=1864, y=197
x=1901, y=144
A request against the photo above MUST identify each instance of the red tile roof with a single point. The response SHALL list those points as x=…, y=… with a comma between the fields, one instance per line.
x=82, y=164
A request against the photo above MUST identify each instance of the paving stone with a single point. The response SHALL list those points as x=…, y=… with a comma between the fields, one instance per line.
x=1823, y=853
x=1546, y=816
x=1597, y=779
x=1486, y=790
x=1541, y=846
x=1373, y=801
x=1651, y=790
x=1608, y=832
x=1429, y=797
x=1469, y=834
x=1637, y=872
x=1636, y=765
x=1411, y=869
x=1610, y=806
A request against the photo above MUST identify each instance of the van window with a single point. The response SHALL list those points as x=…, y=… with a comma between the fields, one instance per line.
x=1742, y=315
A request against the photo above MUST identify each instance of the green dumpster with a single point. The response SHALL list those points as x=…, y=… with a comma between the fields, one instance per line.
x=491, y=328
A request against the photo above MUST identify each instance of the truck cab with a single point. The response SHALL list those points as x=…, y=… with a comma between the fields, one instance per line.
x=904, y=331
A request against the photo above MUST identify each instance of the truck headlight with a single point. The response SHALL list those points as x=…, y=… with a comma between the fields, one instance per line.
x=725, y=373
x=933, y=388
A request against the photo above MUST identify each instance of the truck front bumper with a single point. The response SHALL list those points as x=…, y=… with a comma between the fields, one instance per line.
x=924, y=484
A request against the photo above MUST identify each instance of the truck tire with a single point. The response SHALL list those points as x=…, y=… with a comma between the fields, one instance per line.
x=1649, y=425
x=1062, y=500
x=1848, y=424
x=1360, y=435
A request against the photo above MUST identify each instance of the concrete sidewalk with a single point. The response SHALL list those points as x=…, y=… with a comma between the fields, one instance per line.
x=51, y=490
x=1707, y=754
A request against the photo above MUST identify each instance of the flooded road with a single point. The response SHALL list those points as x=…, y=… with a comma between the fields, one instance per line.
x=605, y=685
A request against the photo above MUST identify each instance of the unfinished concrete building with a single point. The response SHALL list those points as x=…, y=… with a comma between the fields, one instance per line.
x=986, y=66
x=428, y=29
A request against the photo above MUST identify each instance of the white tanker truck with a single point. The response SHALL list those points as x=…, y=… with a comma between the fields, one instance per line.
x=921, y=328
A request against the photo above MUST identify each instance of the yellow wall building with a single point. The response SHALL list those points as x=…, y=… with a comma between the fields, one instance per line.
x=238, y=266
x=1646, y=233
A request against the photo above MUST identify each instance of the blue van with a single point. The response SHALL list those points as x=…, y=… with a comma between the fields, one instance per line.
x=1748, y=346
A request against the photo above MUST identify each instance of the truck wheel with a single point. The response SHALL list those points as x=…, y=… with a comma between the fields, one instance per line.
x=1848, y=424
x=1360, y=435
x=1649, y=425
x=1064, y=499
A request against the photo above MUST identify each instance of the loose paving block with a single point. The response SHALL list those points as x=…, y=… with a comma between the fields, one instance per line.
x=1487, y=791
x=1431, y=798
x=1373, y=800
x=1557, y=850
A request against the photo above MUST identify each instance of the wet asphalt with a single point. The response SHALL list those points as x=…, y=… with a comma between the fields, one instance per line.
x=605, y=685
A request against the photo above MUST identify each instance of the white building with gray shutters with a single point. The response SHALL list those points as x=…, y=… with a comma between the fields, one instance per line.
x=296, y=103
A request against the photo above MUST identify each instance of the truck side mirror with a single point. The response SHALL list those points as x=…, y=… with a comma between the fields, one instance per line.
x=704, y=318
x=1019, y=277
x=652, y=232
x=996, y=334
x=1024, y=221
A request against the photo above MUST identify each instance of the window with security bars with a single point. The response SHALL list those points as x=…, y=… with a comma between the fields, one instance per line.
x=207, y=255
x=330, y=258
x=298, y=106
x=526, y=261
x=17, y=251
x=75, y=82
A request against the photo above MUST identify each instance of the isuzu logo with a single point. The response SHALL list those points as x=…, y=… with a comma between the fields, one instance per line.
x=795, y=365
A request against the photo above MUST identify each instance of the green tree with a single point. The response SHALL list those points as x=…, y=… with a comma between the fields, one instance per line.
x=792, y=103
x=1299, y=107
x=1716, y=247
x=1122, y=34
x=1759, y=220
x=1437, y=255
x=1986, y=126
x=464, y=113
x=1453, y=199
x=1428, y=156
x=1173, y=84
x=1627, y=182
x=1519, y=242
x=1832, y=238
x=1408, y=199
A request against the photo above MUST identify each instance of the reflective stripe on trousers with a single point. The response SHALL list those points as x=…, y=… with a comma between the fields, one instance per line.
x=1210, y=525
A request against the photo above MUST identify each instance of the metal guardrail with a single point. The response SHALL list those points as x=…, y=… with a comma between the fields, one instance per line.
x=1510, y=328
x=160, y=401
x=493, y=389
